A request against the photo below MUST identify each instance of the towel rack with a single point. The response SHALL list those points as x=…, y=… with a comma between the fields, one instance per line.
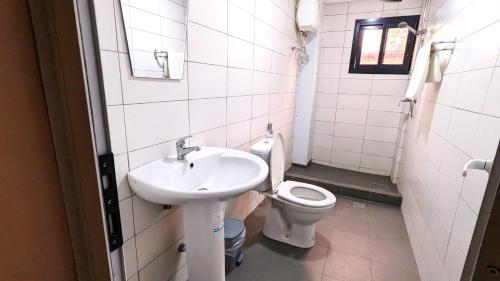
x=439, y=49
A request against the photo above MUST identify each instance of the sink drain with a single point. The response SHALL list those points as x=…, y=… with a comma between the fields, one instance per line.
x=202, y=189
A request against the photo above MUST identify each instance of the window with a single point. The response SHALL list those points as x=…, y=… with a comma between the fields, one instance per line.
x=381, y=47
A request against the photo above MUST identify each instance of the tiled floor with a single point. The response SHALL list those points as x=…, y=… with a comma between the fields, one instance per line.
x=352, y=244
x=348, y=183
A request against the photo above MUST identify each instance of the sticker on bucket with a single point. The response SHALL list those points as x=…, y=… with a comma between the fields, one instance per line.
x=218, y=222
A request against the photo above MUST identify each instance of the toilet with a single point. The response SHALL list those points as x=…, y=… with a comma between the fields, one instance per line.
x=295, y=206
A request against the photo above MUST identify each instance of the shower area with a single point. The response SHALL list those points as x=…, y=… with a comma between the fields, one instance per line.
x=391, y=139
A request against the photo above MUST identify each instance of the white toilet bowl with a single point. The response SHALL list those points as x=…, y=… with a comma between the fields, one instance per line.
x=295, y=206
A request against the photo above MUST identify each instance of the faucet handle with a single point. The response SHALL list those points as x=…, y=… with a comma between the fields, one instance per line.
x=182, y=140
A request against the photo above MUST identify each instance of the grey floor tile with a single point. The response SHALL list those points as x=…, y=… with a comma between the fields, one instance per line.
x=352, y=225
x=352, y=244
x=348, y=242
x=385, y=272
x=347, y=266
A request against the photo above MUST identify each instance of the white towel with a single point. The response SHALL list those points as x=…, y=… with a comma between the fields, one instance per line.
x=175, y=65
x=435, y=73
x=419, y=73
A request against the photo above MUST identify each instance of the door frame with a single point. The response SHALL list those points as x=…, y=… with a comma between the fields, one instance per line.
x=485, y=246
x=65, y=42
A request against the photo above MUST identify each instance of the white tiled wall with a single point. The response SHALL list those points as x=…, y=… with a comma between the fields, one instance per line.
x=357, y=120
x=455, y=120
x=240, y=75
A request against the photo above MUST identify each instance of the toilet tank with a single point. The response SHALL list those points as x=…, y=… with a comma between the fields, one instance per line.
x=263, y=150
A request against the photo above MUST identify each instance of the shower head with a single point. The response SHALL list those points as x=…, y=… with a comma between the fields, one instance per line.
x=404, y=24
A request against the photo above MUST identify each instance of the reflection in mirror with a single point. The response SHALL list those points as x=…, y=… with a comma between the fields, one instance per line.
x=156, y=37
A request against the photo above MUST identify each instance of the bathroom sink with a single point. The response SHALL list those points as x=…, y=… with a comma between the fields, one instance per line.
x=211, y=173
x=200, y=183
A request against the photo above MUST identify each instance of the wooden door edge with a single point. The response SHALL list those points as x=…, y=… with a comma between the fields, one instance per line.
x=57, y=37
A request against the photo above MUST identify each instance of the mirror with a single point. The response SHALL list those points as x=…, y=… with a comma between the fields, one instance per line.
x=156, y=37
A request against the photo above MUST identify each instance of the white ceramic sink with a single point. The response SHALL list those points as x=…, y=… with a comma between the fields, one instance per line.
x=201, y=183
x=211, y=173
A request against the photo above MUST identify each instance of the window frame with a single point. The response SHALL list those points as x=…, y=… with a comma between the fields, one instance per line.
x=380, y=68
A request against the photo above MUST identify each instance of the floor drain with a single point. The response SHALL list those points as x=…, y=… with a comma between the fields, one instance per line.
x=359, y=205
x=202, y=189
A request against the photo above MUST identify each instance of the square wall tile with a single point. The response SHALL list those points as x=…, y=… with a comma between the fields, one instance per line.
x=455, y=260
x=463, y=226
x=240, y=53
x=239, y=109
x=349, y=130
x=377, y=148
x=376, y=162
x=129, y=258
x=385, y=103
x=351, y=116
x=155, y=240
x=332, y=39
x=348, y=144
x=330, y=55
x=262, y=59
x=239, y=82
x=247, y=5
x=202, y=12
x=206, y=114
x=238, y=134
x=389, y=87
x=105, y=21
x=383, y=119
x=322, y=141
x=260, y=105
x=153, y=123
x=127, y=218
x=121, y=172
x=326, y=100
x=258, y=127
x=346, y=157
x=355, y=86
x=353, y=101
x=207, y=45
x=487, y=136
x=110, y=65
x=333, y=23
x=323, y=128
x=240, y=23
x=334, y=8
x=365, y=6
x=147, y=214
x=462, y=125
x=321, y=154
x=207, y=81
x=491, y=104
x=214, y=137
x=381, y=134
x=166, y=264
x=328, y=86
x=324, y=114
x=116, y=124
x=473, y=88
x=261, y=83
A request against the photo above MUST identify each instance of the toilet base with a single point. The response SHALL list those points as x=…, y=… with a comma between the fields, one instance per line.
x=277, y=228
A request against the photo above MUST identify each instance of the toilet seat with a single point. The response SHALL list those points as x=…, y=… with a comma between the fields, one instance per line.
x=305, y=194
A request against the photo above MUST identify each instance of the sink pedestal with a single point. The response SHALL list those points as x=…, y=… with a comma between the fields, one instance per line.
x=204, y=234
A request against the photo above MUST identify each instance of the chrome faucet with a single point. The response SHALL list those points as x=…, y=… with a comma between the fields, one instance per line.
x=182, y=151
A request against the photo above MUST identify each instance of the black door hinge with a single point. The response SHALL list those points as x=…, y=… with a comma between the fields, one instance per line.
x=110, y=201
